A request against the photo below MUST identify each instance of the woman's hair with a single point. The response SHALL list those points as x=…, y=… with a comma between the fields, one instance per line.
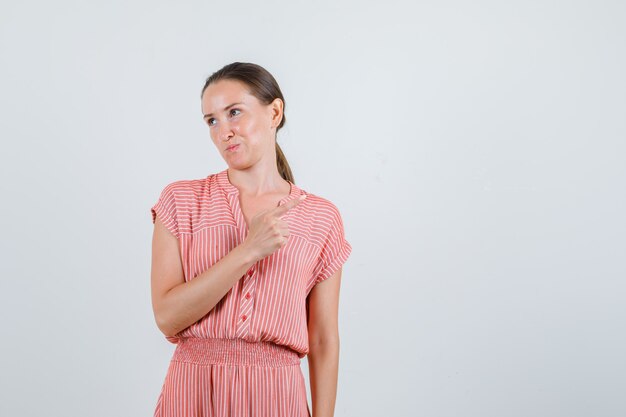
x=264, y=87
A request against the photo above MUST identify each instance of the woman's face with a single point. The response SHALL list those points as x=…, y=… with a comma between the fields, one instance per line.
x=242, y=128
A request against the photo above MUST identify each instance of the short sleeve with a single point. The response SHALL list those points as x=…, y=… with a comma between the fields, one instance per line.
x=165, y=208
x=335, y=250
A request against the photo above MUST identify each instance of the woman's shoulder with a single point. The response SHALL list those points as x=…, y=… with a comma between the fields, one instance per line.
x=320, y=208
x=191, y=202
x=193, y=186
x=318, y=202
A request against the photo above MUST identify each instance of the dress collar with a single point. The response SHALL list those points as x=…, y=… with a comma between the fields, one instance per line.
x=224, y=182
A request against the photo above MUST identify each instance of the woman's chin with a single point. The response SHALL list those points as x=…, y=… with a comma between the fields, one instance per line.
x=237, y=163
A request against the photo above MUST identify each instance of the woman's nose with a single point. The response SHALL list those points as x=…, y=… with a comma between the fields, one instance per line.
x=225, y=132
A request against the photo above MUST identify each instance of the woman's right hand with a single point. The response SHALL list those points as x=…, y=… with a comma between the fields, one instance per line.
x=268, y=232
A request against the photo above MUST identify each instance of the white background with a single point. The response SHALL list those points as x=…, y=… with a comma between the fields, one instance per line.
x=476, y=151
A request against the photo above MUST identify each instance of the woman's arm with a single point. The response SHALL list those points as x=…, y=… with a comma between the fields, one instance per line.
x=178, y=304
x=323, y=357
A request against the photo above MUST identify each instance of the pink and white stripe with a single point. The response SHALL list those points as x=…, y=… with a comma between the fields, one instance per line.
x=220, y=366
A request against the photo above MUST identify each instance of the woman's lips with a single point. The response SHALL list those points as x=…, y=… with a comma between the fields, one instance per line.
x=232, y=147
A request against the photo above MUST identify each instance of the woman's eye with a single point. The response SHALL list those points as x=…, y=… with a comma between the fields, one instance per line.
x=212, y=119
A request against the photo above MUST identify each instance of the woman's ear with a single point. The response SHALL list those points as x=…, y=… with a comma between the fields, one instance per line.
x=276, y=111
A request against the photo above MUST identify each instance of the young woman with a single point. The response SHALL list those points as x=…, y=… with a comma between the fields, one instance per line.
x=246, y=269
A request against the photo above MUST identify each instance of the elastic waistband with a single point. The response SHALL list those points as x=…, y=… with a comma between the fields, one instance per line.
x=233, y=352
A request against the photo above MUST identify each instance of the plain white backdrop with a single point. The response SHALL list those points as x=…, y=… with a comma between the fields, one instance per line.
x=476, y=151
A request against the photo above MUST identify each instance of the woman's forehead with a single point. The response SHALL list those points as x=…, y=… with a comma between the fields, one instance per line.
x=217, y=96
x=228, y=88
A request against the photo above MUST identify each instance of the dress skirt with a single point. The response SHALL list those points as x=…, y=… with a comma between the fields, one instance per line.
x=232, y=378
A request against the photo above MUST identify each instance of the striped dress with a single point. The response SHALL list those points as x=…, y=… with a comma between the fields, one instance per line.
x=242, y=359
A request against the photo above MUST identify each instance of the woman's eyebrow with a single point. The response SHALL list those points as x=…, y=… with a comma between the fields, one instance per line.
x=225, y=108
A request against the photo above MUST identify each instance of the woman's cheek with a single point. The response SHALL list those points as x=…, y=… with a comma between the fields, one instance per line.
x=238, y=126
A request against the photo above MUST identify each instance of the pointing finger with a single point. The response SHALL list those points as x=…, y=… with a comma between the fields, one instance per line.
x=280, y=210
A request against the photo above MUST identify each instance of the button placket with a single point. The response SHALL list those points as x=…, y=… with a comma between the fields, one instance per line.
x=246, y=303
